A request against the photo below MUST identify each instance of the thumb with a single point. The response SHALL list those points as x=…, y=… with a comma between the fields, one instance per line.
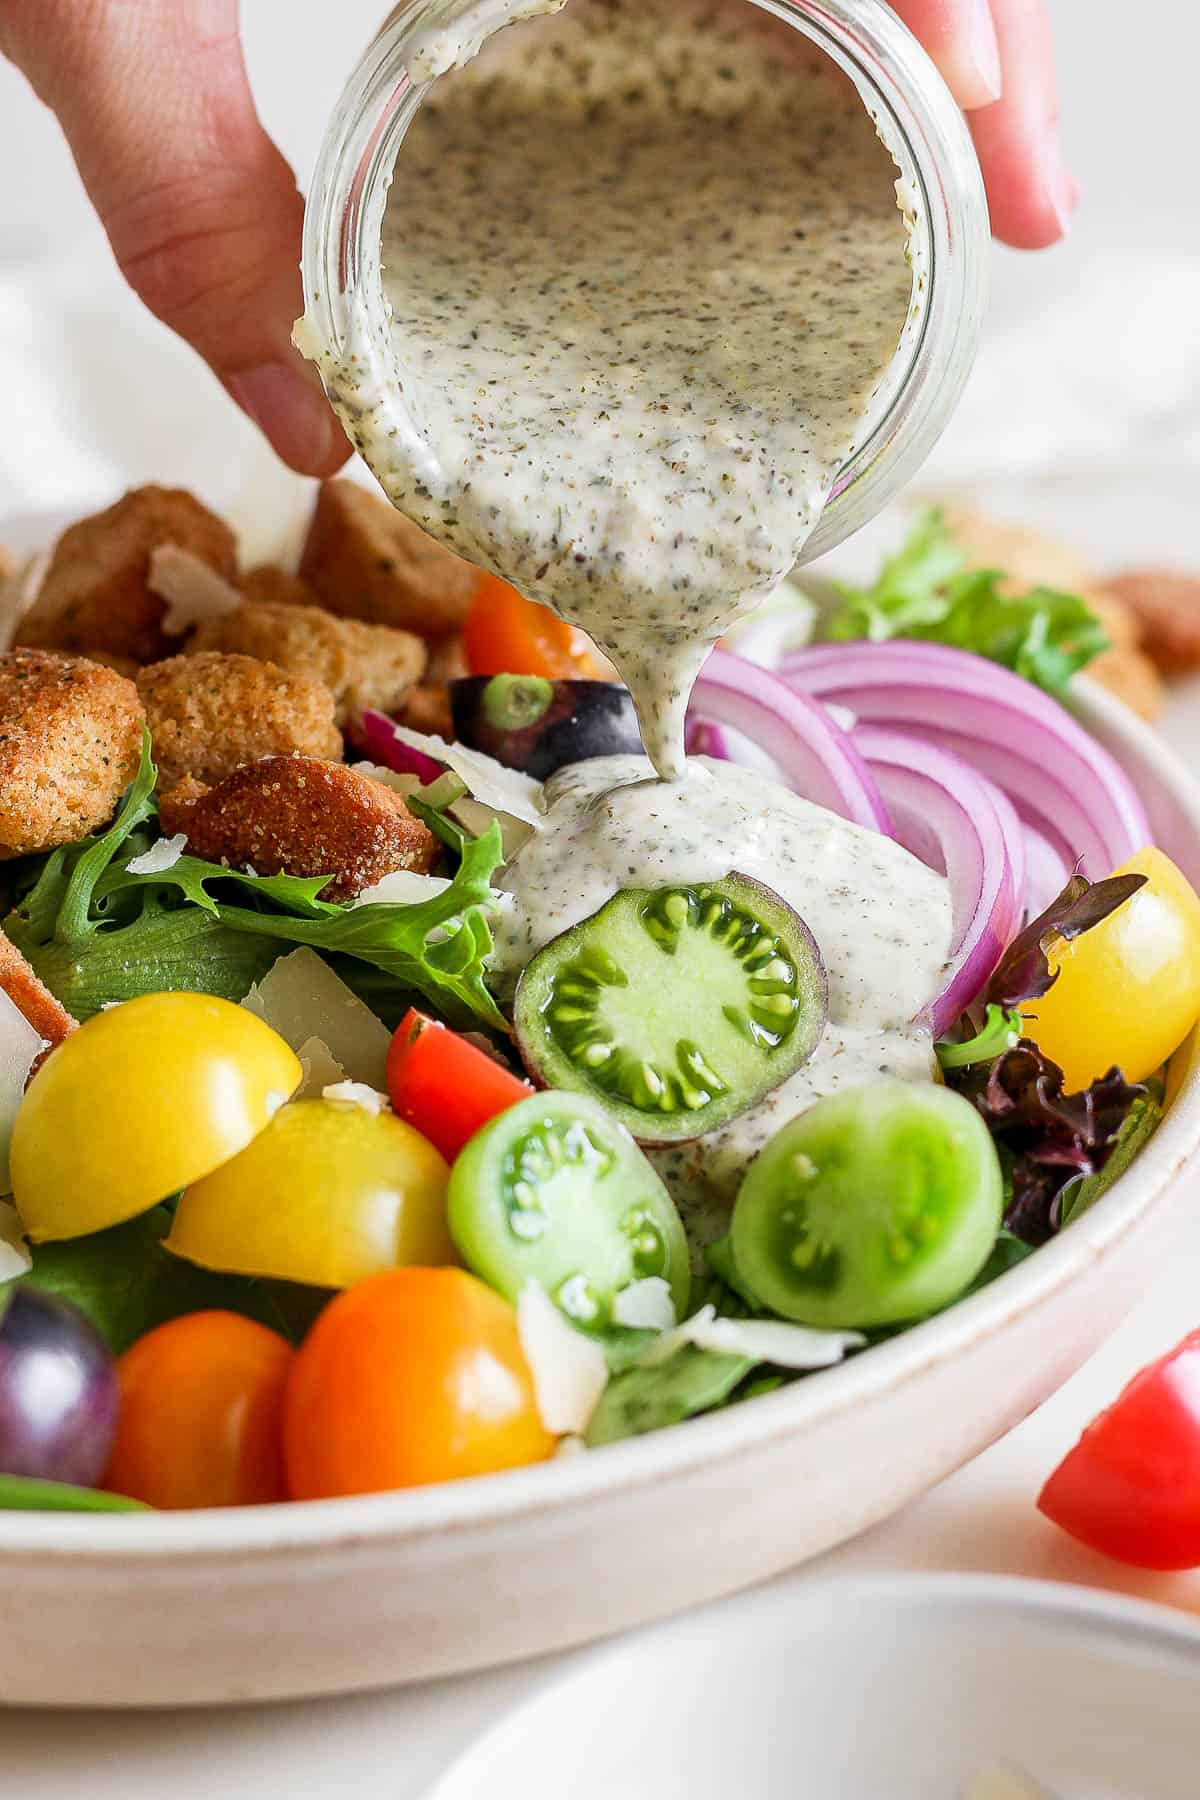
x=201, y=209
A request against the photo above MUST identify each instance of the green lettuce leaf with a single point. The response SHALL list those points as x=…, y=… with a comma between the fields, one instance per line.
x=1141, y=1122
x=645, y=1399
x=96, y=932
x=928, y=591
x=21, y=1493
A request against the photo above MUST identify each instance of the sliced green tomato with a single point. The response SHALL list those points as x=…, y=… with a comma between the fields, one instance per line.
x=556, y=1191
x=327, y=1195
x=677, y=1007
x=876, y=1206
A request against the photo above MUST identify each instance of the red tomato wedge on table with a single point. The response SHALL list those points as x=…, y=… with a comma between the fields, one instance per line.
x=445, y=1086
x=1131, y=1486
x=505, y=634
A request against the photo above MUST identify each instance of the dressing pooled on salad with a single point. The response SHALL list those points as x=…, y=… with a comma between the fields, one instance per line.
x=644, y=271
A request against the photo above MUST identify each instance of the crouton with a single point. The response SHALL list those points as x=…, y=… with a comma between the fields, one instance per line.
x=427, y=708
x=295, y=815
x=1166, y=604
x=367, y=561
x=210, y=713
x=70, y=740
x=278, y=587
x=95, y=595
x=31, y=996
x=1132, y=677
x=1029, y=558
x=363, y=666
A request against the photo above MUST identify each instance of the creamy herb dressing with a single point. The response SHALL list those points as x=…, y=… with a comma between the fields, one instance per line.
x=645, y=271
x=881, y=919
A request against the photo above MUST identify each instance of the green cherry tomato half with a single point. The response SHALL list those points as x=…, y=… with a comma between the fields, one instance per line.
x=329, y=1194
x=555, y=1190
x=876, y=1206
x=141, y=1100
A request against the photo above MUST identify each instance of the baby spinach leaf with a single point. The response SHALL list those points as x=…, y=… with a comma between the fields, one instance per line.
x=644, y=1399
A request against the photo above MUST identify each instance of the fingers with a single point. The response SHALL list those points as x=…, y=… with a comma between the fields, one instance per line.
x=1031, y=191
x=201, y=209
x=960, y=36
x=997, y=57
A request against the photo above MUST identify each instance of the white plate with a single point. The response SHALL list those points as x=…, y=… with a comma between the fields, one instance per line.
x=338, y=1595
x=893, y=1689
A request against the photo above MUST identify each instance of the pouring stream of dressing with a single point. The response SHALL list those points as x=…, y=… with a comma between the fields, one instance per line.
x=645, y=273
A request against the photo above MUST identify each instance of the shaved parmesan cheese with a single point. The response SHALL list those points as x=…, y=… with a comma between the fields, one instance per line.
x=192, y=589
x=395, y=779
x=14, y=1251
x=646, y=1304
x=403, y=887
x=569, y=1371
x=20, y=1046
x=321, y=1069
x=356, y=1093
x=763, y=1340
x=300, y=997
x=159, y=857
x=568, y=1446
x=504, y=790
x=475, y=817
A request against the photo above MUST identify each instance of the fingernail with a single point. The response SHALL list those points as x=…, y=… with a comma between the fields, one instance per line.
x=1060, y=186
x=292, y=412
x=972, y=62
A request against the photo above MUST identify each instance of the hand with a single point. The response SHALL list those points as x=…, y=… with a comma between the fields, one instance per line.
x=205, y=220
x=998, y=58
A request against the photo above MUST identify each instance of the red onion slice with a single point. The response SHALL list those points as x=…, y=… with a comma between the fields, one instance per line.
x=813, y=755
x=931, y=794
x=1010, y=732
x=379, y=740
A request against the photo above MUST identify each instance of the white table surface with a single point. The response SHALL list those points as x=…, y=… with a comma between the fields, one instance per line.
x=1085, y=412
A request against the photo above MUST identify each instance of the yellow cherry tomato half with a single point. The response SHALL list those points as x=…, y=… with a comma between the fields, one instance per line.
x=140, y=1101
x=1128, y=990
x=329, y=1194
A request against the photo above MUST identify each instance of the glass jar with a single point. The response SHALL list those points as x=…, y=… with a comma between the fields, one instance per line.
x=941, y=189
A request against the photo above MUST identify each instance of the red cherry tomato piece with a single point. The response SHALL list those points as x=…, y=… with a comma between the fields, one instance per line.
x=1131, y=1486
x=505, y=634
x=445, y=1086
x=201, y=1420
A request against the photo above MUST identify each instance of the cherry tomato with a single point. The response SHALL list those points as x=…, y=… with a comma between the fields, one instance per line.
x=1131, y=1486
x=201, y=1420
x=505, y=634
x=1128, y=990
x=138, y=1102
x=327, y=1195
x=445, y=1086
x=411, y=1377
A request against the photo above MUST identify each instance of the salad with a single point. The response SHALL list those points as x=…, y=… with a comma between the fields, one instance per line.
x=398, y=1085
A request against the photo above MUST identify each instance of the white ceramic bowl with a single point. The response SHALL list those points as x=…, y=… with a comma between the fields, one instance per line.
x=335, y=1595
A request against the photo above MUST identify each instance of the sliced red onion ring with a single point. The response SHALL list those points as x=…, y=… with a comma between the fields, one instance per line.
x=1008, y=730
x=1014, y=839
x=933, y=796
x=1048, y=866
x=814, y=756
x=703, y=739
x=379, y=740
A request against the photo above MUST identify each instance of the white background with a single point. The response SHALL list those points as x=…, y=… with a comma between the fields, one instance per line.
x=1085, y=412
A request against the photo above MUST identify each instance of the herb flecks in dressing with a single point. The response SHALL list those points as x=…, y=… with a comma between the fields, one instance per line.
x=645, y=271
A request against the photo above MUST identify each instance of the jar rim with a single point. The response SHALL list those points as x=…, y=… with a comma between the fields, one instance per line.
x=919, y=122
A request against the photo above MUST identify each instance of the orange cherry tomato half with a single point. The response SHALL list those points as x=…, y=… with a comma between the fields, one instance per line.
x=416, y=1375
x=445, y=1086
x=1131, y=1486
x=505, y=634
x=201, y=1419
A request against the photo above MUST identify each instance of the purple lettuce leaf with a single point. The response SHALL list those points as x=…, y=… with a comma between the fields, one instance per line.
x=1023, y=972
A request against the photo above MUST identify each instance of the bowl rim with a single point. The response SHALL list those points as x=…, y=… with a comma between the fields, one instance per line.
x=489, y=1501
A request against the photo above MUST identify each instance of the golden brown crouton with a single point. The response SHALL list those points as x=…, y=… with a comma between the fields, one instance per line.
x=95, y=595
x=427, y=708
x=70, y=739
x=1132, y=677
x=294, y=815
x=1029, y=558
x=31, y=996
x=367, y=561
x=210, y=713
x=362, y=665
x=277, y=587
x=1166, y=604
